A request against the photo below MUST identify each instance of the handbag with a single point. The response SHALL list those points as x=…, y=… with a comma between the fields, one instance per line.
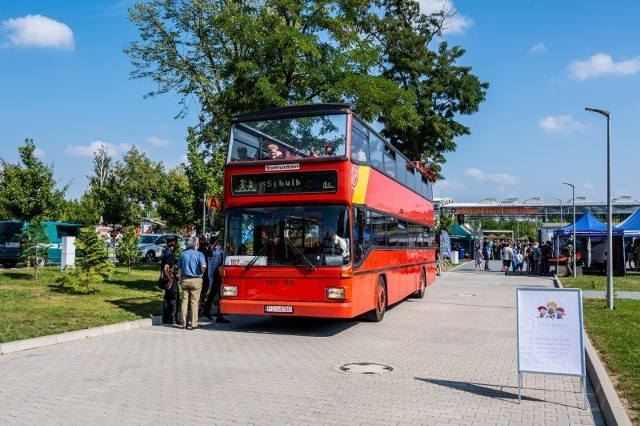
x=163, y=282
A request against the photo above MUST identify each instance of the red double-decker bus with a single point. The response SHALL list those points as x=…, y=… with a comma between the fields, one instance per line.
x=323, y=217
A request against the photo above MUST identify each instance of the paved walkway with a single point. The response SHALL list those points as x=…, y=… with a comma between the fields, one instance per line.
x=593, y=294
x=449, y=358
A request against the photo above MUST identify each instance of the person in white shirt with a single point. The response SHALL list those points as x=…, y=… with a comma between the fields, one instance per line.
x=339, y=243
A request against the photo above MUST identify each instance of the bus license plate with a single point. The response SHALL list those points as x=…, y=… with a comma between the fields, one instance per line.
x=277, y=309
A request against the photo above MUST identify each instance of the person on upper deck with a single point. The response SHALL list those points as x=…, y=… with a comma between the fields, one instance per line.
x=242, y=154
x=329, y=149
x=274, y=151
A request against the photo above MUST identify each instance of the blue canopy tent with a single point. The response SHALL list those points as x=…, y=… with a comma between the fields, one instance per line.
x=591, y=238
x=631, y=225
x=586, y=225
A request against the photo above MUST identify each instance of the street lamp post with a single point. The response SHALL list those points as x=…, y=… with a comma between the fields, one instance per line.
x=607, y=114
x=561, y=225
x=573, y=199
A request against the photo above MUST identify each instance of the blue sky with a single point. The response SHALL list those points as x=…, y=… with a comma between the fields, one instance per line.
x=66, y=85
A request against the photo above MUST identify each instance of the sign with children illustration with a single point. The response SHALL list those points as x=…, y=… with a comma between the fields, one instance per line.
x=550, y=331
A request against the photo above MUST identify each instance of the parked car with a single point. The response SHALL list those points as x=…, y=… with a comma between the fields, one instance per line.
x=152, y=245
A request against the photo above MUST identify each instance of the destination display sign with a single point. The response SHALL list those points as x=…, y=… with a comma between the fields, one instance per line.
x=495, y=210
x=285, y=183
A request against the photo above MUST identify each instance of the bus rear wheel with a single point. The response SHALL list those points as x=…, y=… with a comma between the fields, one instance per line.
x=423, y=286
x=377, y=314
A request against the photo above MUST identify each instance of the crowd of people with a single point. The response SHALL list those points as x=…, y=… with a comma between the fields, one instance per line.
x=197, y=272
x=520, y=257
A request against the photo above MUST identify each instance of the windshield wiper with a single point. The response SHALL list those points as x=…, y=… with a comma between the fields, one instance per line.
x=299, y=253
x=256, y=257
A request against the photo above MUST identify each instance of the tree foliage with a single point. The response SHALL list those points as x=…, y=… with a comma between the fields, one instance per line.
x=176, y=200
x=128, y=251
x=29, y=189
x=238, y=56
x=92, y=264
x=35, y=242
x=121, y=192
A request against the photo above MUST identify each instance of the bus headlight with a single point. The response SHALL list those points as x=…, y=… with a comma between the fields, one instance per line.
x=335, y=293
x=229, y=291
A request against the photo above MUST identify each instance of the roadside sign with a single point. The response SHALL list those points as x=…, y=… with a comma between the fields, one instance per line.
x=213, y=203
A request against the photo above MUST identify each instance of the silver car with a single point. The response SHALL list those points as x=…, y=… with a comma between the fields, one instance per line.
x=152, y=245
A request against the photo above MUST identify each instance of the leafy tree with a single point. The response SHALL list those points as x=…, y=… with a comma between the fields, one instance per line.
x=101, y=183
x=176, y=200
x=441, y=90
x=84, y=211
x=123, y=191
x=35, y=243
x=128, y=250
x=444, y=222
x=29, y=190
x=204, y=172
x=92, y=264
x=140, y=178
x=235, y=57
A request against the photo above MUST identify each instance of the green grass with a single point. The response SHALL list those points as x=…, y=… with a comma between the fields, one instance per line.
x=616, y=336
x=38, y=308
x=630, y=282
x=615, y=333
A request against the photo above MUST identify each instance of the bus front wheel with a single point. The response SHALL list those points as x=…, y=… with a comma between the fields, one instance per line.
x=377, y=314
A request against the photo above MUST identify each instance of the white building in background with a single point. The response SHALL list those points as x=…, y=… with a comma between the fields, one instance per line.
x=536, y=208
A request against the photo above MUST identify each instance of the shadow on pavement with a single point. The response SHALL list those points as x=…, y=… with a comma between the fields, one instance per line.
x=288, y=326
x=481, y=389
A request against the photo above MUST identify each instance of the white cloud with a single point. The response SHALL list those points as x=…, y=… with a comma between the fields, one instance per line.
x=560, y=124
x=538, y=48
x=447, y=185
x=39, y=153
x=455, y=24
x=600, y=64
x=156, y=141
x=35, y=31
x=93, y=147
x=500, y=178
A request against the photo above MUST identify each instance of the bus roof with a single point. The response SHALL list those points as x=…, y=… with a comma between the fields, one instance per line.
x=293, y=111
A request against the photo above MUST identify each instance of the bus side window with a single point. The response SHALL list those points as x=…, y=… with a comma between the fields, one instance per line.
x=359, y=143
x=376, y=146
x=361, y=233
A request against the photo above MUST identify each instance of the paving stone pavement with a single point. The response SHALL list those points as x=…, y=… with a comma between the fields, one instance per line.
x=450, y=358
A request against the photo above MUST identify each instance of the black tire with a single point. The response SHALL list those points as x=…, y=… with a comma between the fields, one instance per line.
x=377, y=314
x=40, y=261
x=150, y=257
x=423, y=286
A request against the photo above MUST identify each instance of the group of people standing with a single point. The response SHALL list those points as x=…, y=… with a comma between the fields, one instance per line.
x=197, y=273
x=519, y=257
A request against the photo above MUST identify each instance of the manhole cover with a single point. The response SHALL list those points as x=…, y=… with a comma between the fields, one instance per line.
x=366, y=368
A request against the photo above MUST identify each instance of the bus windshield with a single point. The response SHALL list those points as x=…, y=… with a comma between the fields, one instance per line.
x=280, y=139
x=305, y=236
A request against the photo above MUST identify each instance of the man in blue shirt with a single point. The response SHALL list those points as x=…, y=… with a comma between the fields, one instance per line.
x=191, y=269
